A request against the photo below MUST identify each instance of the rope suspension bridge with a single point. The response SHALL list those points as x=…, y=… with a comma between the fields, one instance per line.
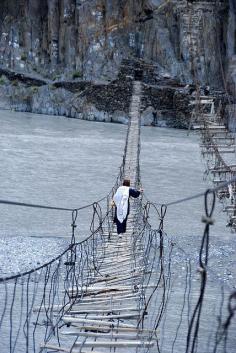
x=218, y=149
x=139, y=293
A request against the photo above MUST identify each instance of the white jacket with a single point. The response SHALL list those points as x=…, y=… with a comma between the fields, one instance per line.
x=121, y=199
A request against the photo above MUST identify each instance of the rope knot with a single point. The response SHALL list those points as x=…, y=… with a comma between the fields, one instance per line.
x=201, y=269
x=208, y=220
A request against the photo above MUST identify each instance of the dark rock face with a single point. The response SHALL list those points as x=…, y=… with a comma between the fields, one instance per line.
x=165, y=101
x=78, y=57
x=89, y=39
x=166, y=106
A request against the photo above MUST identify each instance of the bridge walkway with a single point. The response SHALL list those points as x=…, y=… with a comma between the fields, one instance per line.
x=218, y=148
x=106, y=314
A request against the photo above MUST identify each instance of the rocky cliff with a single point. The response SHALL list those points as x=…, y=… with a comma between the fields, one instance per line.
x=86, y=40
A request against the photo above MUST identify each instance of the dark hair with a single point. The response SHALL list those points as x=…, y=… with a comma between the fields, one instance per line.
x=126, y=182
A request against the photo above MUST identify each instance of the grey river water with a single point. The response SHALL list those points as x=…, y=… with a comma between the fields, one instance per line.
x=68, y=163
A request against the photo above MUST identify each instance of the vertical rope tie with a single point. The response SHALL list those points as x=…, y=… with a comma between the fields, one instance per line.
x=193, y=330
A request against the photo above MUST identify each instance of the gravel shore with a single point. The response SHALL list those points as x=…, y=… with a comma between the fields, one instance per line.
x=20, y=254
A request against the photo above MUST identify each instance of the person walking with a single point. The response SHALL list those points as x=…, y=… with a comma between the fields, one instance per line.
x=121, y=201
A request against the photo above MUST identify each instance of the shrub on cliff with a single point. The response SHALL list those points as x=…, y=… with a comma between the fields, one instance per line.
x=77, y=74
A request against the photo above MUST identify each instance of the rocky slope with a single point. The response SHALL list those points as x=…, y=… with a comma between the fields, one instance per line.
x=82, y=41
x=165, y=101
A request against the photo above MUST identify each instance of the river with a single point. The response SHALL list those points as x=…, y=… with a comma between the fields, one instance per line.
x=68, y=163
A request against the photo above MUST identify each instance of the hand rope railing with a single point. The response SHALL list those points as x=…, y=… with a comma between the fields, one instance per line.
x=47, y=286
x=24, y=204
x=186, y=332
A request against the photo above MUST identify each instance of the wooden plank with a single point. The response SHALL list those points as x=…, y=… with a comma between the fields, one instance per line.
x=224, y=138
x=106, y=307
x=63, y=349
x=112, y=297
x=114, y=316
x=118, y=277
x=127, y=267
x=116, y=344
x=75, y=311
x=125, y=280
x=220, y=151
x=117, y=328
x=231, y=207
x=69, y=319
x=201, y=101
x=117, y=281
x=101, y=289
x=214, y=146
x=212, y=128
x=108, y=296
x=223, y=171
x=111, y=335
x=218, y=181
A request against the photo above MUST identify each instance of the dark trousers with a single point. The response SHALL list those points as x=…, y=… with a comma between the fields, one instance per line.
x=121, y=227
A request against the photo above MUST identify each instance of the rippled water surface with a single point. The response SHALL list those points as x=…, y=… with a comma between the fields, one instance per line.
x=57, y=162
x=68, y=163
x=172, y=169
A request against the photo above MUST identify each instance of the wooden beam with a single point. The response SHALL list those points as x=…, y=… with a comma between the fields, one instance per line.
x=111, y=335
x=75, y=311
x=114, y=316
x=116, y=344
x=117, y=328
x=69, y=319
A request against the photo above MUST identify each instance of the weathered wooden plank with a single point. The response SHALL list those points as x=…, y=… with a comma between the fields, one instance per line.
x=69, y=319
x=110, y=336
x=116, y=344
x=112, y=295
x=118, y=277
x=212, y=128
x=108, y=299
x=114, y=316
x=75, y=311
x=63, y=349
x=206, y=145
x=101, y=288
x=116, y=328
x=220, y=151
